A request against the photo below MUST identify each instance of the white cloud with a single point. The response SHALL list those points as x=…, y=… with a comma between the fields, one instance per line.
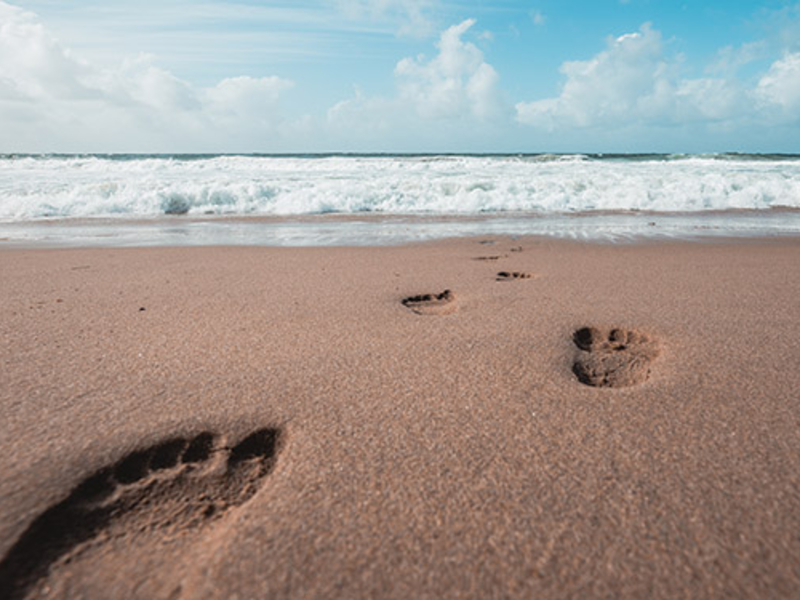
x=780, y=86
x=455, y=82
x=538, y=17
x=607, y=88
x=71, y=105
x=33, y=64
x=140, y=81
x=448, y=102
x=633, y=82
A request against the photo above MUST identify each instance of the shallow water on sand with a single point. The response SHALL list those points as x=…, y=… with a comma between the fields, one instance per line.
x=369, y=230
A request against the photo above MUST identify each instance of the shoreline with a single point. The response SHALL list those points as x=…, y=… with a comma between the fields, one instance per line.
x=373, y=229
x=450, y=454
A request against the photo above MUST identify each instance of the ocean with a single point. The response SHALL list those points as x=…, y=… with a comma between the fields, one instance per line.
x=336, y=199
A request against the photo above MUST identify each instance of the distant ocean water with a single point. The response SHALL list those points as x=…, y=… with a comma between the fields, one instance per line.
x=333, y=199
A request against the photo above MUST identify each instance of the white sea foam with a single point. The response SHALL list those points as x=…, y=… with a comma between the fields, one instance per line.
x=33, y=188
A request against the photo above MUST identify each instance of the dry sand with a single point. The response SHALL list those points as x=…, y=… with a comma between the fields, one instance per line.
x=274, y=423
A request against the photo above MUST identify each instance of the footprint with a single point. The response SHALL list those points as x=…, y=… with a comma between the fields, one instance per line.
x=165, y=492
x=613, y=358
x=492, y=257
x=432, y=304
x=513, y=275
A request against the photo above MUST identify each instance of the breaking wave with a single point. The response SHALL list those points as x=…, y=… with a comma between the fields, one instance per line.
x=40, y=187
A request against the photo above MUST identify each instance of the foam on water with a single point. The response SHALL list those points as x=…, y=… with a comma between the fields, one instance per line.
x=33, y=188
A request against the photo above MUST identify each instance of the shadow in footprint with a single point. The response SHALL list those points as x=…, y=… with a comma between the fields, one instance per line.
x=613, y=358
x=177, y=483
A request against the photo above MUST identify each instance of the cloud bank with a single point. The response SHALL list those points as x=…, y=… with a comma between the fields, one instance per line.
x=53, y=100
x=634, y=82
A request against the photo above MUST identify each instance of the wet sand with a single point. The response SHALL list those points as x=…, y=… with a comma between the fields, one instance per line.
x=569, y=420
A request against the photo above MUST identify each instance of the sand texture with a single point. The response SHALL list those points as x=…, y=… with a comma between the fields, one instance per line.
x=516, y=419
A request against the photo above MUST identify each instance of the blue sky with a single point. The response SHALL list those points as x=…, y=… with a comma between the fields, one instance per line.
x=399, y=76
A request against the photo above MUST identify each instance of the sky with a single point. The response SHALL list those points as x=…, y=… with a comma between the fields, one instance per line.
x=300, y=76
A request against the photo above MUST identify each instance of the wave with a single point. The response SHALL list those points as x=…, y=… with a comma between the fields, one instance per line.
x=64, y=186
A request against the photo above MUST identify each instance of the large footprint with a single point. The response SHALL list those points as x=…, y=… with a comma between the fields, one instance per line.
x=613, y=358
x=174, y=488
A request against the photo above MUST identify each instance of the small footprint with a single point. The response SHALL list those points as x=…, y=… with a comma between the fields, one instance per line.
x=179, y=486
x=613, y=358
x=492, y=257
x=432, y=304
x=513, y=275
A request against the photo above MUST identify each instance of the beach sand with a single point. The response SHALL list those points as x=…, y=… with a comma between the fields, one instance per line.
x=611, y=421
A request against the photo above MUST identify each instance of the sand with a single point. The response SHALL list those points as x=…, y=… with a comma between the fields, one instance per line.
x=615, y=421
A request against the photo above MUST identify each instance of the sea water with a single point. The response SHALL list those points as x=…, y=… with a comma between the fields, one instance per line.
x=129, y=200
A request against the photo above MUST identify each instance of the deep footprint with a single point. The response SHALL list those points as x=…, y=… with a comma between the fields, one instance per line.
x=513, y=275
x=180, y=484
x=613, y=358
x=432, y=304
